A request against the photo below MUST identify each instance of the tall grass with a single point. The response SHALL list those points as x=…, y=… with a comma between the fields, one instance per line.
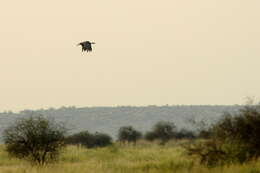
x=142, y=158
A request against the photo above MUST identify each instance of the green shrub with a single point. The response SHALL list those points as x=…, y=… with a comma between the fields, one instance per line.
x=150, y=136
x=216, y=153
x=128, y=134
x=36, y=138
x=163, y=131
x=242, y=128
x=83, y=138
x=102, y=140
x=184, y=134
x=235, y=138
x=205, y=134
x=89, y=140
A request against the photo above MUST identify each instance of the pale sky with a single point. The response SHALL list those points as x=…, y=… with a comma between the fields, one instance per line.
x=147, y=52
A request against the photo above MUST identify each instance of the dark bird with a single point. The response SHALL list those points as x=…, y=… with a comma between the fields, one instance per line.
x=86, y=46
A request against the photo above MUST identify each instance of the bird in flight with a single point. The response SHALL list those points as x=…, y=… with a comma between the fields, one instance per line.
x=86, y=46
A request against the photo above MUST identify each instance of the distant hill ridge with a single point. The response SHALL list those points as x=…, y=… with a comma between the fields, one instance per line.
x=110, y=119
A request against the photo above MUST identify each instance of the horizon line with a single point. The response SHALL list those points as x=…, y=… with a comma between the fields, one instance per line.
x=115, y=106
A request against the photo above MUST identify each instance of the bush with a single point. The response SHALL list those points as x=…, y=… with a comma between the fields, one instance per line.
x=150, y=136
x=205, y=134
x=235, y=138
x=36, y=138
x=243, y=128
x=163, y=131
x=102, y=140
x=209, y=152
x=128, y=134
x=184, y=134
x=83, y=138
x=214, y=152
x=89, y=140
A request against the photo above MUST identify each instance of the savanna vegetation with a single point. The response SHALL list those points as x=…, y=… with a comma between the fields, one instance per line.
x=89, y=140
x=128, y=134
x=230, y=145
x=144, y=157
x=36, y=139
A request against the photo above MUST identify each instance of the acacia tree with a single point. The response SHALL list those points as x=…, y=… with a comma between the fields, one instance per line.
x=35, y=138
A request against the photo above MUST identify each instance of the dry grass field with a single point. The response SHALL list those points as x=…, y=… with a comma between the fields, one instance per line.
x=142, y=158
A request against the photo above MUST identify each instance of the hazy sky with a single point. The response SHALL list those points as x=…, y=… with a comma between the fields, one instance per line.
x=146, y=52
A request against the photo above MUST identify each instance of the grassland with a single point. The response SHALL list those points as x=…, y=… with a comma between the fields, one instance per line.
x=142, y=158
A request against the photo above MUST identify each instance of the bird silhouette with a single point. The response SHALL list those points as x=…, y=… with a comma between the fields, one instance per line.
x=86, y=46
